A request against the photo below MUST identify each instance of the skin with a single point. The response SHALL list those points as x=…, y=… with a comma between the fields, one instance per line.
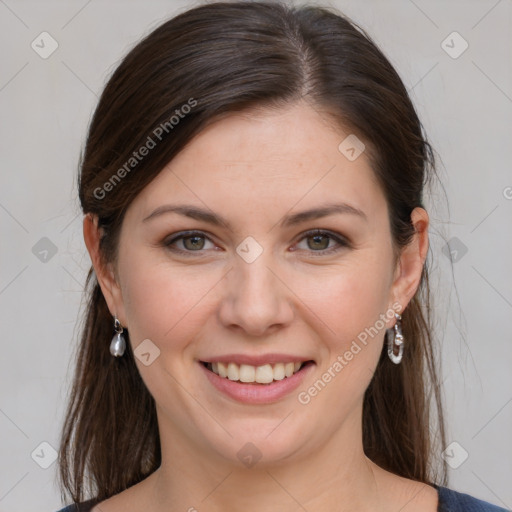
x=253, y=168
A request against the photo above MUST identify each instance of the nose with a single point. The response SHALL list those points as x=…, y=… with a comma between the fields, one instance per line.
x=256, y=299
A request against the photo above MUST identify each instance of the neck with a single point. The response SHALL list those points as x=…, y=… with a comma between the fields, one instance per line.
x=333, y=476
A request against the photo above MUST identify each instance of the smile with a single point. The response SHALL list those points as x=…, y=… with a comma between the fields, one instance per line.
x=264, y=374
x=264, y=384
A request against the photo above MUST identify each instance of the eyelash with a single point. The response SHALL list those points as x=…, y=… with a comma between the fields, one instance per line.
x=343, y=243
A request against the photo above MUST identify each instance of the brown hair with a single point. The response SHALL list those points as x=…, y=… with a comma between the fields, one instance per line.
x=220, y=58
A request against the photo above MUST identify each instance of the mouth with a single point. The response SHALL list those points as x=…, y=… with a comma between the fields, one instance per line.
x=256, y=375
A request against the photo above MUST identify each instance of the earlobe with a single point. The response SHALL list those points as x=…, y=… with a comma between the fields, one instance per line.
x=104, y=273
x=412, y=259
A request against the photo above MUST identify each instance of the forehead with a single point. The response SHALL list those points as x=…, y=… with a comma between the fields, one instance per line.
x=258, y=160
x=298, y=135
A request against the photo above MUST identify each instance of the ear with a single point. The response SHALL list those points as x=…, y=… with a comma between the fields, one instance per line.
x=412, y=259
x=104, y=272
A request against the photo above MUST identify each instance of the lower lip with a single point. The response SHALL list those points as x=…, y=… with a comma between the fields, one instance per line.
x=254, y=393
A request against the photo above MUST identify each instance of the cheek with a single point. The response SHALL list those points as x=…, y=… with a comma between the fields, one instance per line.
x=352, y=332
x=161, y=301
x=349, y=304
x=347, y=301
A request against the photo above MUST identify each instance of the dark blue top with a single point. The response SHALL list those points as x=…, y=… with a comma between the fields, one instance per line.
x=453, y=501
x=449, y=501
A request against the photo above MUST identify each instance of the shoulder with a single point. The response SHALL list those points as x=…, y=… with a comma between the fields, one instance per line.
x=454, y=501
x=85, y=506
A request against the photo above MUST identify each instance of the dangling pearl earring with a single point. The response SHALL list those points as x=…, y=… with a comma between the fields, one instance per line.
x=395, y=339
x=118, y=343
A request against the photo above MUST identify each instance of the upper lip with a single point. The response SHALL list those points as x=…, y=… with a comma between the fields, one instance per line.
x=259, y=360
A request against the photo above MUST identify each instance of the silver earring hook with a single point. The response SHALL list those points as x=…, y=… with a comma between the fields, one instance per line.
x=117, y=326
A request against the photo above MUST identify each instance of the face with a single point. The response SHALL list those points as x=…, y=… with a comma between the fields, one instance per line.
x=261, y=280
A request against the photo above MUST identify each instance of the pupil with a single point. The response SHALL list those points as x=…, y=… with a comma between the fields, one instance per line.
x=193, y=246
x=321, y=236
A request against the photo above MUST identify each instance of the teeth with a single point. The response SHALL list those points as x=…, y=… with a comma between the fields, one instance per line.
x=261, y=374
x=233, y=371
x=279, y=373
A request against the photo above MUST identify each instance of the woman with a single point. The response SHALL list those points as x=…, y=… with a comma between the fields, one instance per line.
x=257, y=334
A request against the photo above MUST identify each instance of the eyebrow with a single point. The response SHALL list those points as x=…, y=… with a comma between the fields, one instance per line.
x=196, y=213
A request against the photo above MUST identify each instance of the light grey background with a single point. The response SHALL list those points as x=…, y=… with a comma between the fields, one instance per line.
x=465, y=104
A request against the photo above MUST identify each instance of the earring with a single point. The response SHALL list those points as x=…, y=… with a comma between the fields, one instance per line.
x=118, y=343
x=396, y=339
